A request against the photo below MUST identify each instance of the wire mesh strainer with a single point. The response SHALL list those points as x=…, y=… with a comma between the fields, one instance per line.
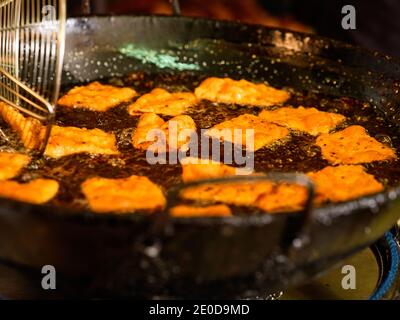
x=32, y=38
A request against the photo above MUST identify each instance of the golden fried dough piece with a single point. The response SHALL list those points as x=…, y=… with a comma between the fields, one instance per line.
x=200, y=169
x=11, y=164
x=96, y=97
x=142, y=137
x=160, y=101
x=64, y=141
x=265, y=195
x=178, y=130
x=37, y=191
x=353, y=145
x=175, y=132
x=123, y=195
x=240, y=194
x=30, y=130
x=309, y=120
x=283, y=197
x=183, y=211
x=234, y=130
x=241, y=92
x=343, y=183
x=232, y=193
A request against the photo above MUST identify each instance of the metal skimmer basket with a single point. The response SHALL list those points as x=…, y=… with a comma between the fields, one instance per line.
x=32, y=37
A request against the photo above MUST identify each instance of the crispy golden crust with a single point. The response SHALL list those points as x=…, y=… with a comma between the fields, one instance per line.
x=178, y=131
x=142, y=137
x=343, y=183
x=11, y=164
x=183, y=211
x=160, y=101
x=123, y=195
x=242, y=92
x=309, y=120
x=265, y=195
x=265, y=133
x=37, y=191
x=70, y=140
x=240, y=194
x=96, y=97
x=151, y=127
x=353, y=145
x=30, y=130
x=200, y=169
x=334, y=184
x=283, y=197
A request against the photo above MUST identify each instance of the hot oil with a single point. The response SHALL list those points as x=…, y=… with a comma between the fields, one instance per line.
x=299, y=154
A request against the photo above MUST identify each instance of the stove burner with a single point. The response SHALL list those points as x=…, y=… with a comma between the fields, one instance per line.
x=389, y=267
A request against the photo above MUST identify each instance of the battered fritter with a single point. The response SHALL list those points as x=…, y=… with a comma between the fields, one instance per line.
x=64, y=141
x=283, y=197
x=342, y=183
x=309, y=120
x=201, y=169
x=29, y=130
x=123, y=195
x=241, y=92
x=160, y=101
x=96, y=97
x=11, y=164
x=353, y=145
x=265, y=195
x=37, y=191
x=183, y=211
x=234, y=193
x=141, y=136
x=173, y=134
x=265, y=132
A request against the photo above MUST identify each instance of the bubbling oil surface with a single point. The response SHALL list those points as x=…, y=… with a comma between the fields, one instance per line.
x=298, y=154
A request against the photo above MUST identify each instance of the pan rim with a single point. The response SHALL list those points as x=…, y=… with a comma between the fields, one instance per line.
x=374, y=53
x=324, y=214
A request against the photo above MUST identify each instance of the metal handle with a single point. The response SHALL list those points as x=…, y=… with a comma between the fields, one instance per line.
x=32, y=34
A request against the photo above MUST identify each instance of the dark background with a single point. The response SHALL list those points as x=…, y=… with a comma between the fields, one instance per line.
x=378, y=22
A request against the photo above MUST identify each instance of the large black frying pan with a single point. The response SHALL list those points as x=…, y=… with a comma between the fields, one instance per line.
x=147, y=256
